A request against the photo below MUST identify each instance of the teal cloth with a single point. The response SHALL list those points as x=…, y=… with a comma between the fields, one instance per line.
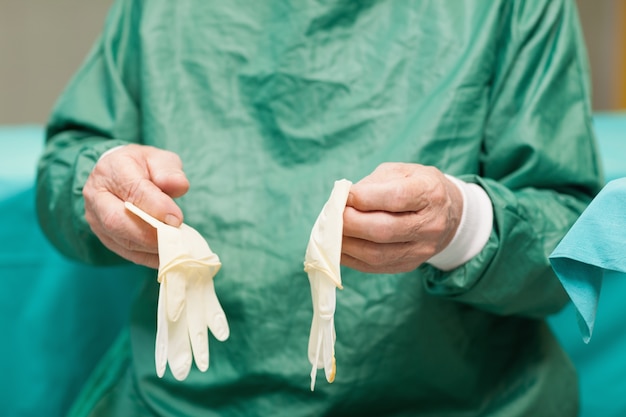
x=595, y=244
x=57, y=317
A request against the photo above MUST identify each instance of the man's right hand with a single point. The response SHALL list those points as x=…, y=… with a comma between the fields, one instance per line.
x=148, y=177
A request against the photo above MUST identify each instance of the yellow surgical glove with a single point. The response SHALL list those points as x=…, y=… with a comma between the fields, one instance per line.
x=187, y=302
x=322, y=258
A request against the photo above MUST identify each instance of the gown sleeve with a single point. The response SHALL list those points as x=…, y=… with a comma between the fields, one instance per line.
x=97, y=111
x=539, y=163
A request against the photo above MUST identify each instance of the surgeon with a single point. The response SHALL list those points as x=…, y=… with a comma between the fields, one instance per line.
x=465, y=128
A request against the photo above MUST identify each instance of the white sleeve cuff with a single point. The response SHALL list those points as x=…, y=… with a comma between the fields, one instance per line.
x=115, y=148
x=473, y=231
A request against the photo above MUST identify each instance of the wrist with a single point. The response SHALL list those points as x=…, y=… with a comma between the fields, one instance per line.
x=473, y=231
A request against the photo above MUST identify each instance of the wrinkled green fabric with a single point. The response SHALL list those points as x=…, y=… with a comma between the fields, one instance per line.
x=267, y=103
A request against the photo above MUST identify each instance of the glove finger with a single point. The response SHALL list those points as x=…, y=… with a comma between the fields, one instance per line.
x=328, y=350
x=315, y=346
x=198, y=334
x=176, y=291
x=326, y=310
x=315, y=336
x=178, y=347
x=215, y=317
x=160, y=350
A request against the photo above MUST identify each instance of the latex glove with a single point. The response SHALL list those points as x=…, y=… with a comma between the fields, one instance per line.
x=322, y=258
x=187, y=302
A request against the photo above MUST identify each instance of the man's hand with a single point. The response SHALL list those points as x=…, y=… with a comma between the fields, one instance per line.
x=147, y=177
x=398, y=217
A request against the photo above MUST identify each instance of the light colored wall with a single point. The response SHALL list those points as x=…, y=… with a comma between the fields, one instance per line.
x=604, y=26
x=42, y=43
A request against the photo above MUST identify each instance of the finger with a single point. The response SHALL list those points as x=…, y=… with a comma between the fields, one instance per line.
x=140, y=258
x=397, y=187
x=120, y=231
x=365, y=255
x=383, y=226
x=393, y=195
x=112, y=217
x=149, y=198
x=361, y=266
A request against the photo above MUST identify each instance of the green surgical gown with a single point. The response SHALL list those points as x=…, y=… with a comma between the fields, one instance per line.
x=268, y=103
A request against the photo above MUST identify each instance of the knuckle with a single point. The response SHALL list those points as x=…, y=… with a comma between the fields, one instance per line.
x=415, y=227
x=438, y=224
x=437, y=194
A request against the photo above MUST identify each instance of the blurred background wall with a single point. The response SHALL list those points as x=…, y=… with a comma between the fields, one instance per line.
x=42, y=42
x=604, y=27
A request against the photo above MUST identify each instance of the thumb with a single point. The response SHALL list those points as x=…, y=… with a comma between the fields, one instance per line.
x=166, y=172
